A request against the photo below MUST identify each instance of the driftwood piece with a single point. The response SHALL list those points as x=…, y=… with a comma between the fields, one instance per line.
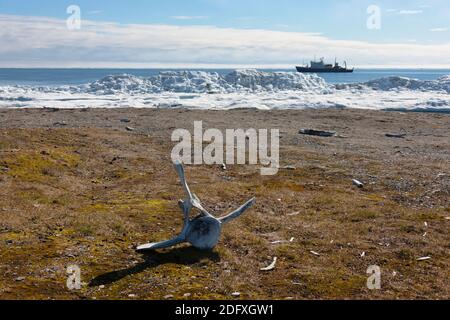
x=202, y=232
x=319, y=133
x=396, y=135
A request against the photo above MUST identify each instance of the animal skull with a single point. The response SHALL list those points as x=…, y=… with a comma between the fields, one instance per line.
x=202, y=232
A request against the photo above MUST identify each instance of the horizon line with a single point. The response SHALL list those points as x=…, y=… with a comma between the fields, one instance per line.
x=216, y=66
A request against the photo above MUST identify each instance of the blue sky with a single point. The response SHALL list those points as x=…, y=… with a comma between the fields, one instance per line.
x=415, y=24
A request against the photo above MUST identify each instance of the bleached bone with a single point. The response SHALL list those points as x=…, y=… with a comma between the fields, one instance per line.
x=202, y=232
x=271, y=266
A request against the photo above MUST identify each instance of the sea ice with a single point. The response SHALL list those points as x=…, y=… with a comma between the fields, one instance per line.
x=238, y=89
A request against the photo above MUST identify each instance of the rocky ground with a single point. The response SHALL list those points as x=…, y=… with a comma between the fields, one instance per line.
x=85, y=187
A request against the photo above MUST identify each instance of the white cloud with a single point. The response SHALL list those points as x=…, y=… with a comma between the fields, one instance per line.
x=46, y=42
x=410, y=12
x=439, y=29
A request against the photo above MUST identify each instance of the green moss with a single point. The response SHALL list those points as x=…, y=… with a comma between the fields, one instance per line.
x=120, y=174
x=404, y=254
x=13, y=235
x=408, y=229
x=428, y=216
x=359, y=215
x=156, y=204
x=4, y=145
x=94, y=208
x=323, y=200
x=33, y=195
x=375, y=197
x=287, y=252
x=279, y=184
x=337, y=283
x=85, y=230
x=39, y=167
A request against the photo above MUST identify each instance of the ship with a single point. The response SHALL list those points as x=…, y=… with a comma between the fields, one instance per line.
x=321, y=67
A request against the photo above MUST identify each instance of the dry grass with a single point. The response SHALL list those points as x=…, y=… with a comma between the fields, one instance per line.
x=87, y=198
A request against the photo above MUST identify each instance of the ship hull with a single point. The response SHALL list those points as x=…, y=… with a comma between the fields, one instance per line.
x=316, y=70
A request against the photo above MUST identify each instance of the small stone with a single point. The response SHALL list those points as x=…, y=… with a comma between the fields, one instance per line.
x=125, y=120
x=131, y=295
x=186, y=295
x=169, y=296
x=224, y=167
x=129, y=128
x=19, y=279
x=235, y=294
x=315, y=253
x=102, y=286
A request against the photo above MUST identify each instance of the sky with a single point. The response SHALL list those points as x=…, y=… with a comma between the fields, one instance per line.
x=224, y=33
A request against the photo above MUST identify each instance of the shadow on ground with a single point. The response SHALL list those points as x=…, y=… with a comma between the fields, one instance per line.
x=181, y=256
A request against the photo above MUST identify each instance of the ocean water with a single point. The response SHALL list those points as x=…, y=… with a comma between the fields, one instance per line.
x=59, y=77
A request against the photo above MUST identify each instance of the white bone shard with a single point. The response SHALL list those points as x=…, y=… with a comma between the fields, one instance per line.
x=271, y=266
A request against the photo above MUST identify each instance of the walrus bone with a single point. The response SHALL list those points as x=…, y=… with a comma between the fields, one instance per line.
x=202, y=232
